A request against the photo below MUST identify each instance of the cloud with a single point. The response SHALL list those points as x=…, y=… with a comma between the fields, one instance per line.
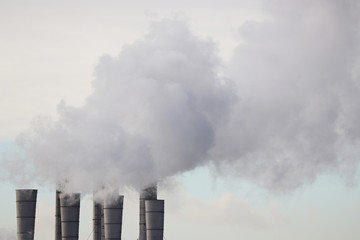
x=298, y=115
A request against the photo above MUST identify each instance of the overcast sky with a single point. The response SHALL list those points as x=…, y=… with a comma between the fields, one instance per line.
x=274, y=146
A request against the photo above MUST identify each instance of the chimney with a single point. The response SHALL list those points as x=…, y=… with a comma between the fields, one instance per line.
x=25, y=213
x=98, y=216
x=57, y=216
x=113, y=211
x=149, y=193
x=70, y=212
x=97, y=220
x=102, y=223
x=154, y=215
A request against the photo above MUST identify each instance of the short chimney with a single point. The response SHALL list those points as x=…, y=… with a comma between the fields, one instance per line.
x=149, y=193
x=57, y=216
x=154, y=215
x=70, y=212
x=97, y=212
x=25, y=213
x=113, y=211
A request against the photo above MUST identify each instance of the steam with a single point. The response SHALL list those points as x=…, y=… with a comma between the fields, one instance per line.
x=290, y=111
x=299, y=112
x=153, y=113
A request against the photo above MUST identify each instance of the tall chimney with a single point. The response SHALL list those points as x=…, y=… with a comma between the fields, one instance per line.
x=97, y=220
x=70, y=213
x=25, y=213
x=154, y=214
x=149, y=193
x=57, y=216
x=113, y=211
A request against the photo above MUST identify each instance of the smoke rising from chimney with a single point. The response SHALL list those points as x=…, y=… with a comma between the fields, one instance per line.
x=287, y=111
x=153, y=113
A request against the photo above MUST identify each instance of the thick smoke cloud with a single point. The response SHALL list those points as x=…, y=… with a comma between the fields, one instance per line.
x=153, y=113
x=290, y=112
x=299, y=113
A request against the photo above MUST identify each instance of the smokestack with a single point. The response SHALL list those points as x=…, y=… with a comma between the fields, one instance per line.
x=113, y=211
x=25, y=213
x=98, y=224
x=149, y=193
x=57, y=217
x=154, y=214
x=70, y=212
x=102, y=223
x=97, y=220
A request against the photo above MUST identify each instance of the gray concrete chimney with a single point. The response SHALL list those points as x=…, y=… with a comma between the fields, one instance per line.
x=154, y=215
x=149, y=193
x=25, y=213
x=57, y=216
x=97, y=220
x=70, y=213
x=102, y=223
x=113, y=211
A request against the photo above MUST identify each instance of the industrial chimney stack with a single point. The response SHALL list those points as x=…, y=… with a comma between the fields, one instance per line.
x=154, y=215
x=107, y=216
x=57, y=216
x=149, y=193
x=70, y=213
x=97, y=226
x=25, y=213
x=113, y=211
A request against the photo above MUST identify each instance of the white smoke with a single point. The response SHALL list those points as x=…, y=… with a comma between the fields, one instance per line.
x=160, y=108
x=299, y=113
x=153, y=113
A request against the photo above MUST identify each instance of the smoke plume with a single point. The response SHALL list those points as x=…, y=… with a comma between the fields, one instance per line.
x=287, y=111
x=153, y=113
x=299, y=111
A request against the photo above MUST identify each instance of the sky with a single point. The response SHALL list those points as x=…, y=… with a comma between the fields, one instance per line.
x=245, y=112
